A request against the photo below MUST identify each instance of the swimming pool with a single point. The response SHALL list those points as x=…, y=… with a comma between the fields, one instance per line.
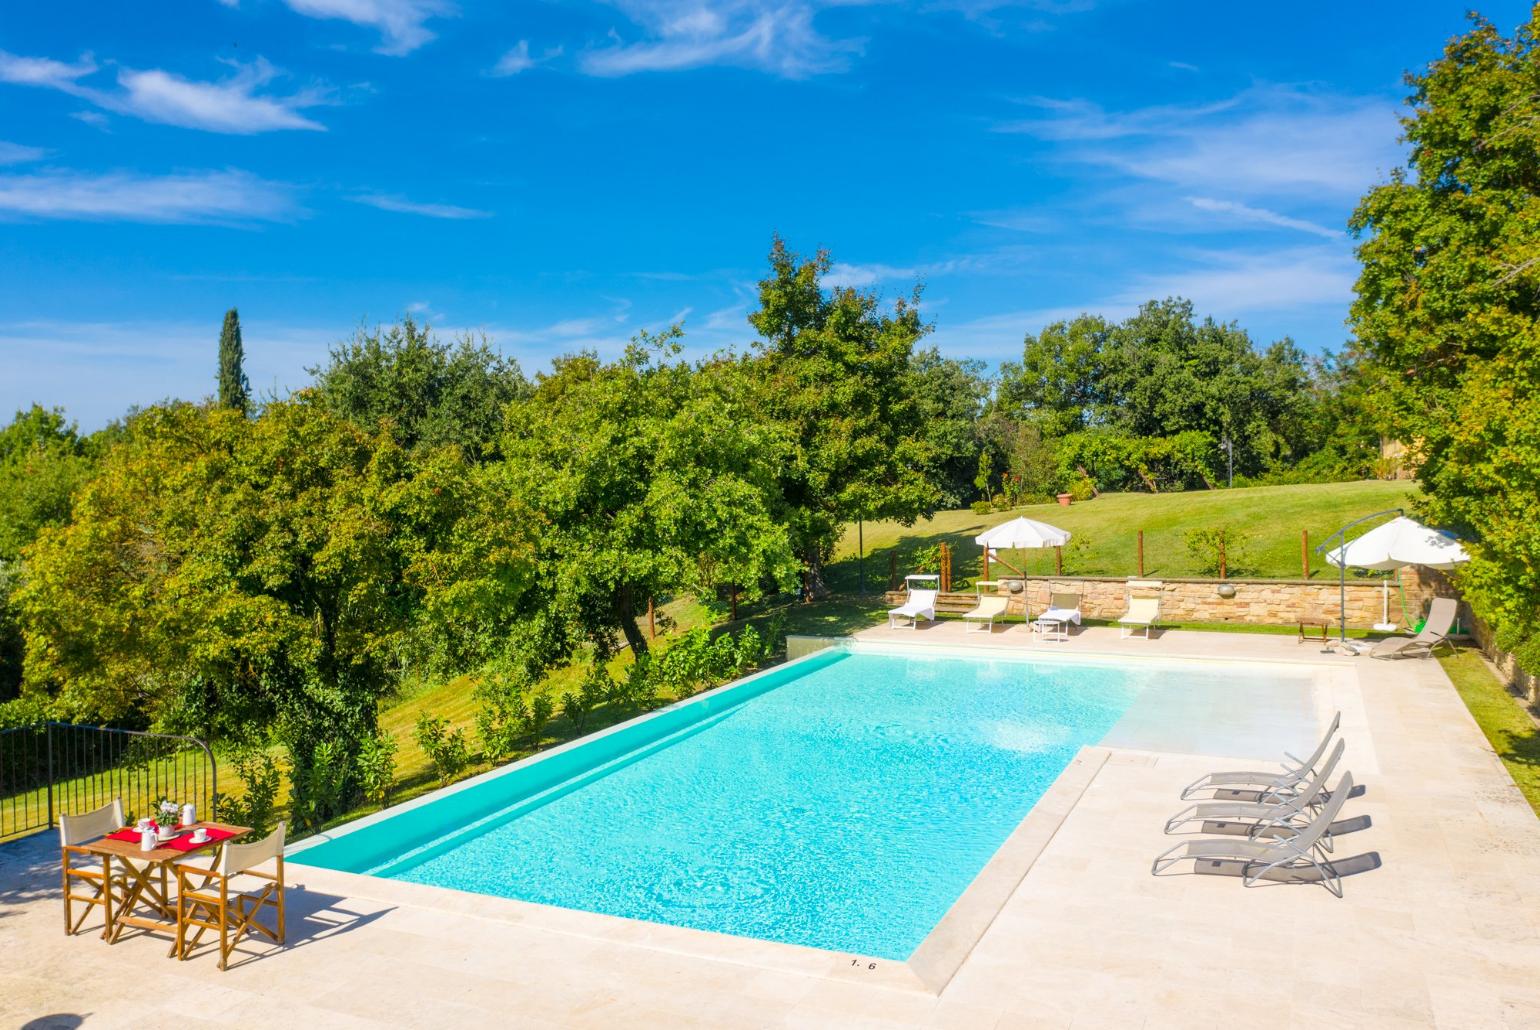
x=843, y=801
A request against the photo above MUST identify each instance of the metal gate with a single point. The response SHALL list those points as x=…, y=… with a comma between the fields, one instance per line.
x=55, y=767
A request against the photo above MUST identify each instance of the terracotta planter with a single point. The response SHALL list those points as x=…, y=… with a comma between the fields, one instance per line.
x=1064, y=499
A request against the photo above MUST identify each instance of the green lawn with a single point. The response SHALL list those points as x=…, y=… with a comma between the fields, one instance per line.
x=1105, y=531
x=1508, y=727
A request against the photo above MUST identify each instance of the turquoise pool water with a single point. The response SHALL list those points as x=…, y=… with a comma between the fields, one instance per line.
x=842, y=802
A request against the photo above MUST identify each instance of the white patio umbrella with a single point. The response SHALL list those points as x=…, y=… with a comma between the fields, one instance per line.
x=1395, y=545
x=1020, y=532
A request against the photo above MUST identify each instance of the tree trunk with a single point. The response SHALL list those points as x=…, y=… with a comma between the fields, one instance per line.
x=814, y=588
x=625, y=614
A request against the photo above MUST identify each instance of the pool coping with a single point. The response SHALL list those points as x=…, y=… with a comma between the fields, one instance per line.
x=929, y=968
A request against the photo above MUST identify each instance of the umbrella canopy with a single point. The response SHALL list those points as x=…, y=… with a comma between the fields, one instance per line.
x=1397, y=543
x=1022, y=532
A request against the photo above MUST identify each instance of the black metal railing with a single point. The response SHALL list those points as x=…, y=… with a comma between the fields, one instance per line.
x=57, y=768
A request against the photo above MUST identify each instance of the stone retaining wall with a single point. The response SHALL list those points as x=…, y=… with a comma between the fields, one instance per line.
x=1255, y=601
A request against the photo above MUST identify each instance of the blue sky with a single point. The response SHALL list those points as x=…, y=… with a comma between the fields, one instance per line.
x=560, y=175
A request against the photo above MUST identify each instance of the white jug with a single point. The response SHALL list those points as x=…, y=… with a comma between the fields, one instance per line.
x=189, y=814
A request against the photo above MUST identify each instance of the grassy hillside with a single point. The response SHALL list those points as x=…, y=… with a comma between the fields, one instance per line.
x=1105, y=531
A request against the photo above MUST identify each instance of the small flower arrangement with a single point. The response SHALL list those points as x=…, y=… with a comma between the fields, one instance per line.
x=165, y=818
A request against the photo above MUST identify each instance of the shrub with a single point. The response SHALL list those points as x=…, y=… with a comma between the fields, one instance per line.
x=321, y=787
x=579, y=705
x=1208, y=545
x=503, y=711
x=445, y=749
x=537, y=715
x=750, y=648
x=377, y=768
x=640, y=687
x=257, y=806
x=982, y=507
x=1081, y=488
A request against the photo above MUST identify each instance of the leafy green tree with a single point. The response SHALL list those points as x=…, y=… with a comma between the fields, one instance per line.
x=238, y=578
x=234, y=390
x=650, y=478
x=43, y=461
x=838, y=379
x=950, y=394
x=1160, y=373
x=429, y=392
x=1448, y=307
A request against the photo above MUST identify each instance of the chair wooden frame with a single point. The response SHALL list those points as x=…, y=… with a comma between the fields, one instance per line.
x=73, y=831
x=232, y=913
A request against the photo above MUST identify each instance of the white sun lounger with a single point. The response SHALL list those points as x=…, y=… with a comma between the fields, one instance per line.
x=1063, y=610
x=1143, y=607
x=1290, y=814
x=1257, y=858
x=1283, y=783
x=989, y=608
x=920, y=605
x=1435, y=631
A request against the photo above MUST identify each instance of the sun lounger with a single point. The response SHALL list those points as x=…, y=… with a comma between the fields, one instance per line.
x=1289, y=814
x=1063, y=609
x=1143, y=607
x=1435, y=631
x=921, y=604
x=1286, y=782
x=1301, y=852
x=989, y=608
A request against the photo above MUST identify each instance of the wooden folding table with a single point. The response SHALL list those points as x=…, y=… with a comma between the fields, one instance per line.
x=146, y=874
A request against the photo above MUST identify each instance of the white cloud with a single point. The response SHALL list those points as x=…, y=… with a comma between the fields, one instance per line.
x=1229, y=283
x=16, y=153
x=231, y=106
x=1246, y=213
x=402, y=24
x=230, y=197
x=400, y=205
x=515, y=60
x=95, y=118
x=1269, y=140
x=776, y=37
x=45, y=72
x=1183, y=66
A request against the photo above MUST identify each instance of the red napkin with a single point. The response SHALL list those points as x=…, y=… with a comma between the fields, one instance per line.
x=181, y=842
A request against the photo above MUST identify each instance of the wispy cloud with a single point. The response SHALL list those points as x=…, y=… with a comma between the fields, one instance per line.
x=228, y=197
x=16, y=153
x=1227, y=283
x=231, y=105
x=402, y=24
x=401, y=205
x=1271, y=140
x=516, y=60
x=775, y=37
x=1246, y=213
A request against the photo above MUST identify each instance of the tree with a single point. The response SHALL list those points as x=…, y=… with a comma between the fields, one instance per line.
x=1448, y=308
x=43, y=461
x=950, y=395
x=1160, y=373
x=236, y=578
x=234, y=390
x=837, y=378
x=650, y=477
x=429, y=392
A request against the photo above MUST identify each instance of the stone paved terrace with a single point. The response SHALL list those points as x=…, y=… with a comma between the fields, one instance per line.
x=1445, y=932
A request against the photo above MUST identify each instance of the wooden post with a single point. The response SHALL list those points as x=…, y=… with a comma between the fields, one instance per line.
x=985, y=577
x=1221, y=556
x=946, y=569
x=1058, y=561
x=652, y=626
x=1304, y=553
x=1141, y=554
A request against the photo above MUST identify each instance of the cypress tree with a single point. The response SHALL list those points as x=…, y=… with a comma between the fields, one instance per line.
x=234, y=391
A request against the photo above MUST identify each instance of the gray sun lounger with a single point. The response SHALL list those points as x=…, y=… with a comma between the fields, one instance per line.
x=1282, y=783
x=1302, y=851
x=1435, y=631
x=1269, y=818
